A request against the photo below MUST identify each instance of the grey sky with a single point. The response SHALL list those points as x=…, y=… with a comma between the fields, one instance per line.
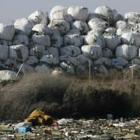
x=12, y=9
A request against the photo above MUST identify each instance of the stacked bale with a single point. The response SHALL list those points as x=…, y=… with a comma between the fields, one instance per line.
x=69, y=39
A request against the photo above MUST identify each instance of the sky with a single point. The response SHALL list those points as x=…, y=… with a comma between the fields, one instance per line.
x=13, y=9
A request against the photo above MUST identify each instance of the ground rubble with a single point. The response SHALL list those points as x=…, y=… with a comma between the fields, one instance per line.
x=82, y=129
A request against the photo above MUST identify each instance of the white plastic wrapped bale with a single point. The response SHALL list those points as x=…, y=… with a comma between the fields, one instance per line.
x=123, y=27
x=94, y=39
x=92, y=51
x=81, y=26
x=21, y=39
x=103, y=61
x=42, y=40
x=4, y=53
x=7, y=32
x=73, y=39
x=50, y=59
x=82, y=60
x=107, y=53
x=132, y=16
x=78, y=13
x=127, y=51
x=131, y=39
x=61, y=25
x=23, y=26
x=69, y=59
x=7, y=75
x=32, y=60
x=42, y=29
x=43, y=69
x=38, y=17
x=112, y=41
x=53, y=51
x=135, y=61
x=60, y=13
x=22, y=52
x=98, y=25
x=37, y=50
x=121, y=24
x=106, y=12
x=56, y=40
x=70, y=51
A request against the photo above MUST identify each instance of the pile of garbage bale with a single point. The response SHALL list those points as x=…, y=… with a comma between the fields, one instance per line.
x=70, y=39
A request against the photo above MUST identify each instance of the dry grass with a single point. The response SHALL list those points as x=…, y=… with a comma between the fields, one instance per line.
x=70, y=97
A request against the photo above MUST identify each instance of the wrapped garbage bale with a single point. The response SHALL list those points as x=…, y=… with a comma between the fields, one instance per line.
x=73, y=39
x=60, y=13
x=41, y=40
x=37, y=50
x=38, y=117
x=56, y=40
x=50, y=59
x=38, y=17
x=103, y=61
x=112, y=41
x=70, y=51
x=53, y=51
x=22, y=52
x=42, y=29
x=69, y=59
x=74, y=31
x=123, y=27
x=92, y=51
x=32, y=60
x=21, y=39
x=61, y=25
x=7, y=32
x=95, y=15
x=7, y=52
x=107, y=53
x=43, y=69
x=132, y=16
x=127, y=51
x=82, y=60
x=23, y=26
x=78, y=13
x=121, y=61
x=107, y=13
x=131, y=39
x=94, y=39
x=98, y=25
x=81, y=26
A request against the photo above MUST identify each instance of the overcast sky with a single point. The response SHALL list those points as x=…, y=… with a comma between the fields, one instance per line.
x=12, y=9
